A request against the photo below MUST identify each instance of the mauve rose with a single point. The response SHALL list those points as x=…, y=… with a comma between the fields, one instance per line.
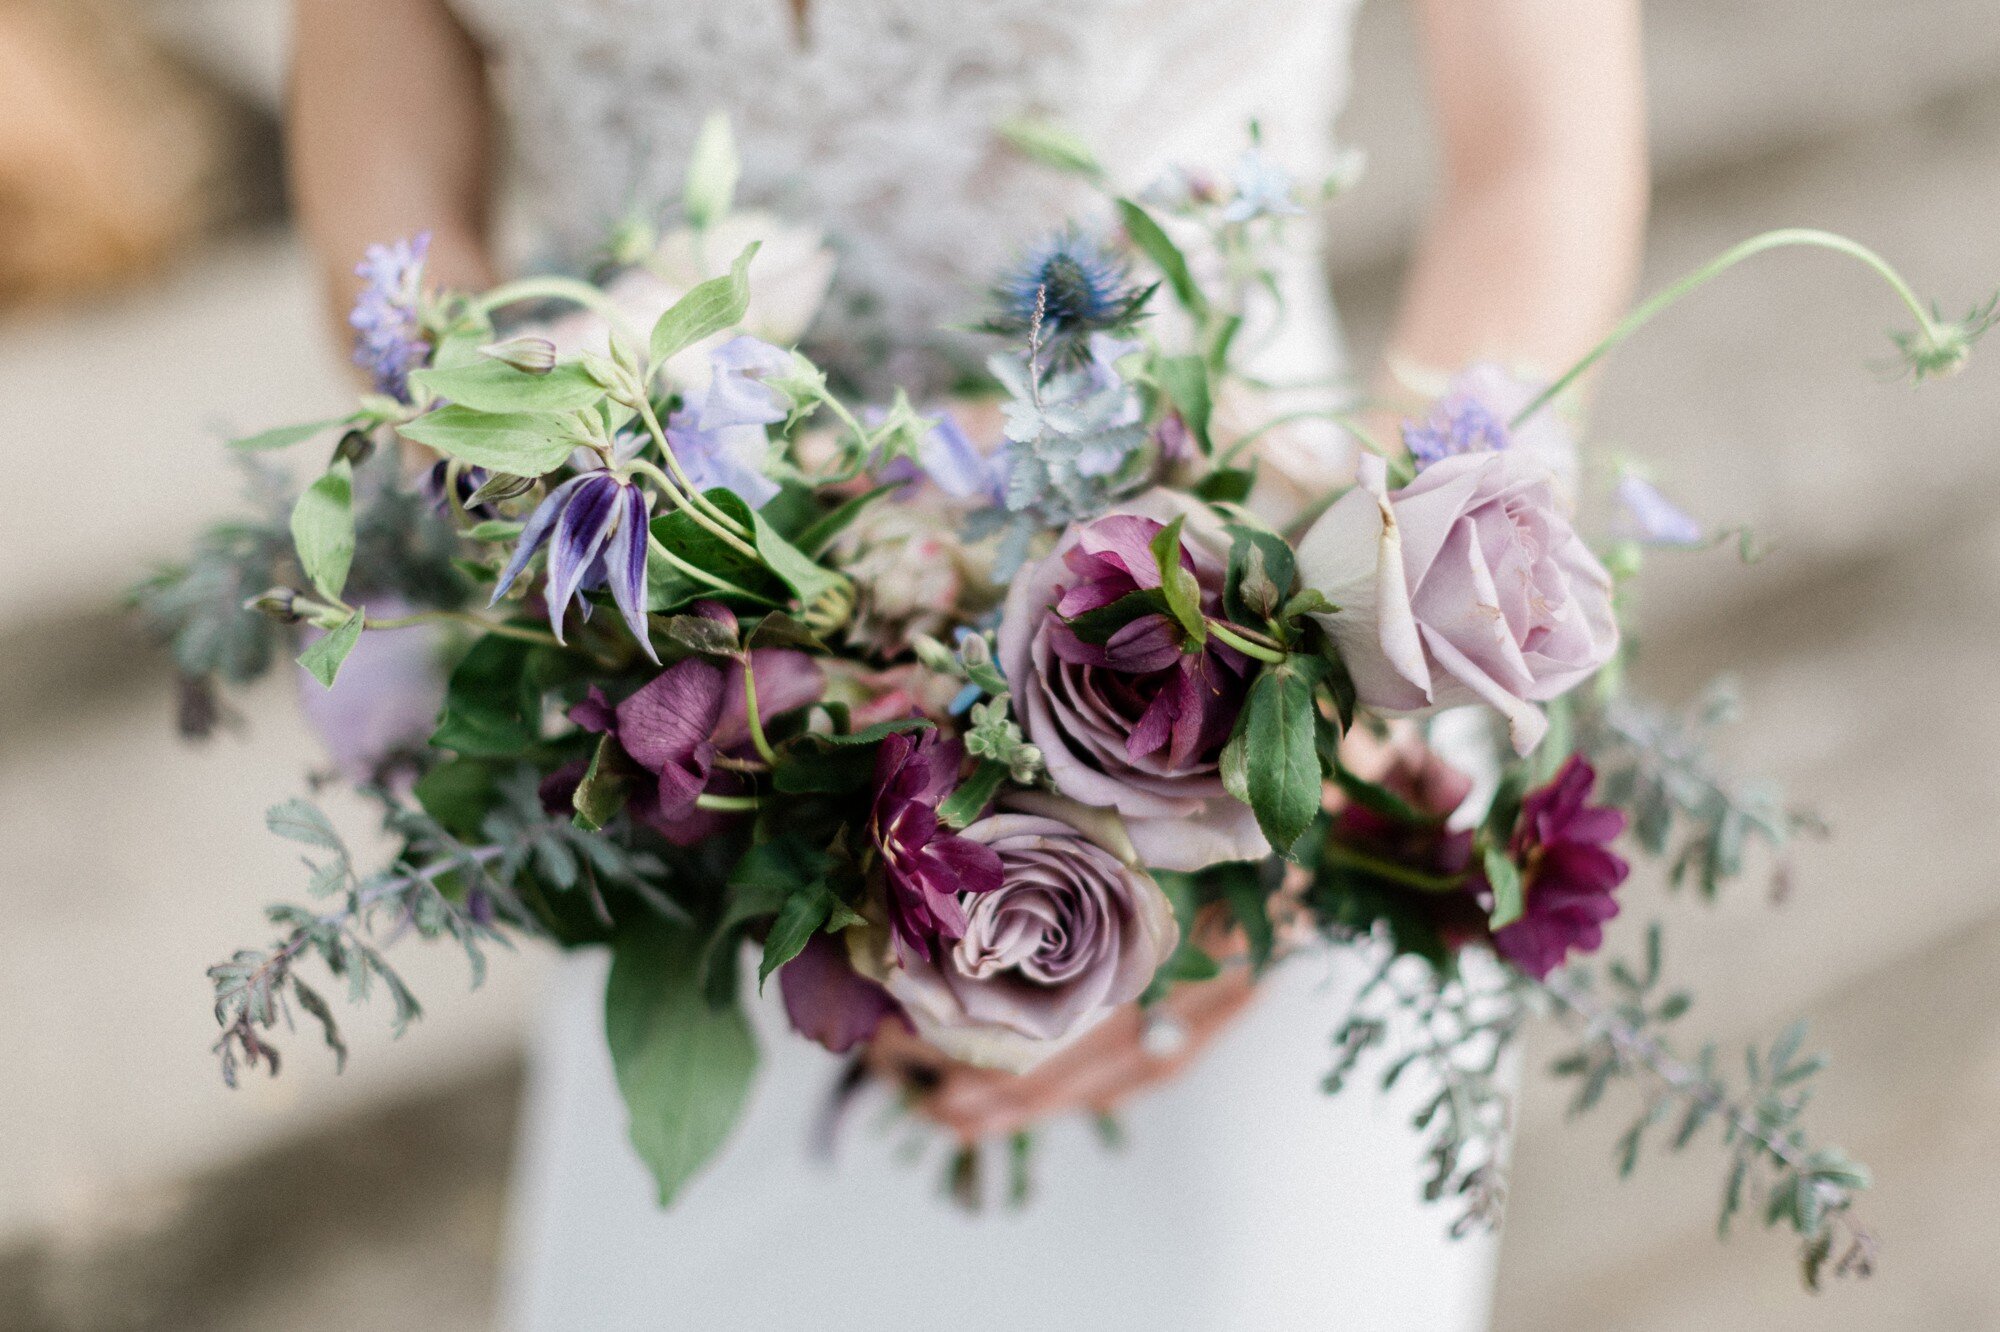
x=1466, y=586
x=1072, y=932
x=1136, y=725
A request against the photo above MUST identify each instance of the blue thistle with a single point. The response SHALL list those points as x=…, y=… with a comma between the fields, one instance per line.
x=1062, y=291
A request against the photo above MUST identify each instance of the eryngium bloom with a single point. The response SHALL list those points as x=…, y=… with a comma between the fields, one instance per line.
x=1072, y=932
x=930, y=871
x=1567, y=872
x=1065, y=289
x=388, y=329
x=595, y=527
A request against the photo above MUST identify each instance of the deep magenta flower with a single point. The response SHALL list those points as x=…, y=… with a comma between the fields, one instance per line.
x=675, y=726
x=595, y=526
x=926, y=864
x=1138, y=722
x=1567, y=872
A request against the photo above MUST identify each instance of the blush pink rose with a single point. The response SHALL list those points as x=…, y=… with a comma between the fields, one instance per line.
x=1469, y=585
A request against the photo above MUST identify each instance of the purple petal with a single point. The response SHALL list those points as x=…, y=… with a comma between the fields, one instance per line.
x=625, y=566
x=955, y=465
x=827, y=1000
x=974, y=867
x=665, y=723
x=578, y=542
x=1149, y=643
x=534, y=534
x=1647, y=515
x=595, y=713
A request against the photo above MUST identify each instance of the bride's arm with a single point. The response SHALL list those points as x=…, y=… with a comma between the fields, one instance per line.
x=390, y=134
x=1533, y=246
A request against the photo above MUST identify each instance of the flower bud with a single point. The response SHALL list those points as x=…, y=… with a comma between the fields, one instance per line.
x=498, y=487
x=278, y=603
x=933, y=654
x=354, y=448
x=531, y=356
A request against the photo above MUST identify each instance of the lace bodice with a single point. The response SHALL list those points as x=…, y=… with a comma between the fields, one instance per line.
x=875, y=119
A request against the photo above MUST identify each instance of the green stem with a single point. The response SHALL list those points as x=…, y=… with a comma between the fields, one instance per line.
x=700, y=574
x=1771, y=240
x=478, y=622
x=752, y=716
x=1345, y=419
x=726, y=804
x=684, y=492
x=1388, y=869
x=697, y=511
x=557, y=288
x=1249, y=649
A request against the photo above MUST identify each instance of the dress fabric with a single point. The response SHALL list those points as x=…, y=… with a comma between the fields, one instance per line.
x=1243, y=1197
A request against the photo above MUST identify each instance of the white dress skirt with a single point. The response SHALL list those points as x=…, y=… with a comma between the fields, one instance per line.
x=1243, y=1198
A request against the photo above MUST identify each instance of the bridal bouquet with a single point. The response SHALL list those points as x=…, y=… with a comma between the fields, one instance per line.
x=962, y=714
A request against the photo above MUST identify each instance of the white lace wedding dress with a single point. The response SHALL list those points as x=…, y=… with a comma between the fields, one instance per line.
x=1244, y=1197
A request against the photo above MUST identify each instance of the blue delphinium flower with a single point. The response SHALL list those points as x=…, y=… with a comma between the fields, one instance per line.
x=595, y=526
x=721, y=440
x=1460, y=423
x=1644, y=514
x=1263, y=189
x=388, y=330
x=1065, y=289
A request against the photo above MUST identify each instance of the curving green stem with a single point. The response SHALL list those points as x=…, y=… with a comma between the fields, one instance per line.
x=726, y=804
x=1345, y=419
x=701, y=575
x=752, y=716
x=1424, y=883
x=1235, y=639
x=1771, y=240
x=554, y=288
x=479, y=622
x=684, y=492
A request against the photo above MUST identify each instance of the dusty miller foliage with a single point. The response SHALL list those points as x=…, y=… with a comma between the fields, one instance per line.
x=438, y=887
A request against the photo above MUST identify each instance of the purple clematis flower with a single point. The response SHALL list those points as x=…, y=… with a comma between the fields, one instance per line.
x=721, y=440
x=926, y=864
x=1567, y=872
x=387, y=323
x=595, y=526
x=1649, y=516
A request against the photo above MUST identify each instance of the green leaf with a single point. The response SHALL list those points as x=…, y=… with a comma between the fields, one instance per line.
x=487, y=385
x=491, y=706
x=517, y=443
x=668, y=588
x=1097, y=626
x=283, y=437
x=297, y=821
x=816, y=764
x=606, y=784
x=327, y=652
x=1051, y=145
x=699, y=634
x=1262, y=570
x=712, y=172
x=963, y=805
x=809, y=580
x=801, y=917
x=712, y=306
x=1184, y=379
x=495, y=529
x=1226, y=485
x=323, y=529
x=1504, y=876
x=1280, y=760
x=459, y=793
x=1177, y=583
x=816, y=538
x=683, y=1065
x=1166, y=256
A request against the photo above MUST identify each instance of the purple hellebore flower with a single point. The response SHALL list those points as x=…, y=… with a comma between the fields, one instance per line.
x=675, y=725
x=828, y=1001
x=595, y=526
x=1649, y=516
x=1185, y=701
x=721, y=440
x=1568, y=874
x=926, y=864
x=388, y=331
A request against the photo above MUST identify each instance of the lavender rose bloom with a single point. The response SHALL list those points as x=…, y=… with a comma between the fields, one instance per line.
x=1072, y=932
x=1467, y=586
x=1138, y=723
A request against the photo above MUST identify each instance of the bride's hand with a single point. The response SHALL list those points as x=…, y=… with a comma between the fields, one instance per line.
x=1123, y=1055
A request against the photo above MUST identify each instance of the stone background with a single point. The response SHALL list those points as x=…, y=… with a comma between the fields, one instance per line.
x=134, y=1194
